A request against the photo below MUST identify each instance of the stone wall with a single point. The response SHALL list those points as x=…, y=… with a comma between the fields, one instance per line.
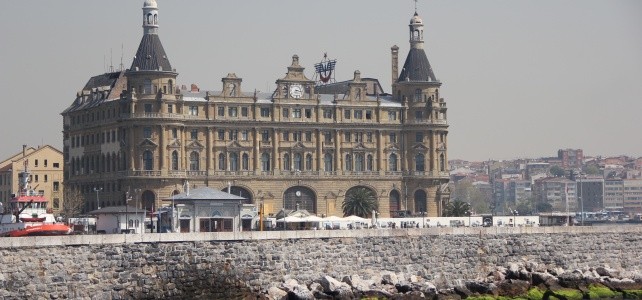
x=229, y=265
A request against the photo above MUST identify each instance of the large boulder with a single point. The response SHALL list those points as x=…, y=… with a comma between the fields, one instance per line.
x=300, y=292
x=513, y=287
x=275, y=293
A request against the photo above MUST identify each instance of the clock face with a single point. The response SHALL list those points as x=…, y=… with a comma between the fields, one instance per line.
x=296, y=91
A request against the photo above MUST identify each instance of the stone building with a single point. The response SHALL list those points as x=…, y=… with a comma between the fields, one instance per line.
x=45, y=165
x=302, y=144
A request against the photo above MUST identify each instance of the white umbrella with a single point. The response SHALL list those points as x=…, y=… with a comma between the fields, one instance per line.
x=291, y=220
x=354, y=218
x=312, y=219
x=332, y=218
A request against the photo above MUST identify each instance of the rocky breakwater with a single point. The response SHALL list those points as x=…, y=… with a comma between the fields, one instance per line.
x=515, y=281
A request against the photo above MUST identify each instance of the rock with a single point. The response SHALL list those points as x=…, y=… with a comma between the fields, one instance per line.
x=389, y=278
x=463, y=291
x=513, y=287
x=403, y=287
x=513, y=271
x=497, y=275
x=329, y=284
x=275, y=293
x=289, y=284
x=300, y=292
x=316, y=287
x=603, y=272
x=481, y=288
x=357, y=283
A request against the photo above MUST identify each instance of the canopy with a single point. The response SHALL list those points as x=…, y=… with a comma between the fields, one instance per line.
x=354, y=218
x=291, y=220
x=312, y=219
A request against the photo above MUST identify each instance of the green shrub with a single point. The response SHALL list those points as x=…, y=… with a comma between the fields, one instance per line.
x=598, y=291
x=570, y=294
x=535, y=294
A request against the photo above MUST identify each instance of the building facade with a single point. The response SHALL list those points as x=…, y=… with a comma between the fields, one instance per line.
x=135, y=129
x=45, y=165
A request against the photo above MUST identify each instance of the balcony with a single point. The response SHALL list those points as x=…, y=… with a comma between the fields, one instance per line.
x=285, y=174
x=161, y=116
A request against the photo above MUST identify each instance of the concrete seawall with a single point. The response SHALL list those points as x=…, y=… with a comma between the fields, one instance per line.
x=224, y=265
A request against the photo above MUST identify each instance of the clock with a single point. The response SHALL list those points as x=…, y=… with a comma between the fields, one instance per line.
x=296, y=91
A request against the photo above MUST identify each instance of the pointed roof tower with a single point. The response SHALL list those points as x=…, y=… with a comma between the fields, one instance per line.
x=150, y=55
x=416, y=67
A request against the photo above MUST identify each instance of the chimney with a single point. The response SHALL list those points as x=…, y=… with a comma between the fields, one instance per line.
x=194, y=88
x=24, y=150
x=394, y=51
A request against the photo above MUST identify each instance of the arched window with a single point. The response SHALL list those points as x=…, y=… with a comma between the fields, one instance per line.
x=297, y=162
x=148, y=160
x=392, y=162
x=155, y=19
x=149, y=18
x=245, y=162
x=194, y=161
x=175, y=160
x=234, y=161
x=359, y=162
x=221, y=162
x=308, y=162
x=369, y=163
x=286, y=161
x=327, y=162
x=394, y=201
x=348, y=162
x=419, y=163
x=421, y=204
x=442, y=163
x=265, y=162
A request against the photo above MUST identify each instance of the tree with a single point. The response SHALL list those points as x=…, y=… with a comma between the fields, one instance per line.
x=557, y=171
x=525, y=206
x=72, y=203
x=544, y=207
x=479, y=200
x=360, y=202
x=592, y=170
x=457, y=209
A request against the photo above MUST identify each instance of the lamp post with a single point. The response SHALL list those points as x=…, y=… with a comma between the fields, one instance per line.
x=136, y=192
x=97, y=189
x=127, y=199
x=581, y=199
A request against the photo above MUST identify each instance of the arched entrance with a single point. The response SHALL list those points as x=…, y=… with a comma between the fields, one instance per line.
x=303, y=196
x=394, y=202
x=420, y=201
x=240, y=191
x=149, y=201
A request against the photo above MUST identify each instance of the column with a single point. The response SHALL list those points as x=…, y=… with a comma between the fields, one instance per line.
x=132, y=152
x=161, y=148
x=319, y=156
x=380, y=166
x=208, y=149
x=257, y=151
x=275, y=151
x=337, y=150
x=433, y=151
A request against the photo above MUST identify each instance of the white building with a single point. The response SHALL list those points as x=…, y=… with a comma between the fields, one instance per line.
x=119, y=219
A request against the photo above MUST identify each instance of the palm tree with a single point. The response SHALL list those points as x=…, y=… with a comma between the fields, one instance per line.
x=457, y=209
x=360, y=202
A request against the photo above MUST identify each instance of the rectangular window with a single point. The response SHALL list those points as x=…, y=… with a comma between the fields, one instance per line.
x=419, y=115
x=346, y=114
x=296, y=113
x=393, y=137
x=221, y=111
x=368, y=115
x=392, y=115
x=232, y=111
x=45, y=163
x=265, y=136
x=36, y=178
x=56, y=203
x=174, y=133
x=358, y=114
x=308, y=113
x=358, y=137
x=194, y=134
x=147, y=132
x=170, y=108
x=56, y=186
x=286, y=113
x=36, y=162
x=148, y=107
x=419, y=137
x=46, y=178
x=193, y=110
x=327, y=136
x=244, y=111
x=369, y=137
x=234, y=134
x=56, y=165
x=347, y=137
x=308, y=136
x=286, y=136
x=244, y=135
x=265, y=112
x=296, y=136
x=221, y=134
x=327, y=113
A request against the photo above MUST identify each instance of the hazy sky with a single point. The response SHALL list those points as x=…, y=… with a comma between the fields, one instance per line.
x=521, y=78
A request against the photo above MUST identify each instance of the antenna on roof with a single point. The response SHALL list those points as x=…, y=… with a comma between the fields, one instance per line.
x=415, y=5
x=121, y=57
x=111, y=60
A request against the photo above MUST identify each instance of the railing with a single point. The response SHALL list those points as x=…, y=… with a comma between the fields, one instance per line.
x=148, y=115
x=284, y=174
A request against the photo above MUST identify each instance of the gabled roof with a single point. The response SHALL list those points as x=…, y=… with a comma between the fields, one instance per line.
x=206, y=193
x=150, y=55
x=416, y=67
x=117, y=210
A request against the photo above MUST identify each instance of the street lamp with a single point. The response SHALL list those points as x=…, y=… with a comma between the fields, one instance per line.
x=97, y=189
x=581, y=199
x=128, y=198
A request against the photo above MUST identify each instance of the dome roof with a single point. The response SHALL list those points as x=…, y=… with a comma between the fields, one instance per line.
x=416, y=19
x=150, y=3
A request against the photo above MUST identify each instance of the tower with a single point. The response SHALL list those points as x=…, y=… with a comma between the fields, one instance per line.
x=426, y=128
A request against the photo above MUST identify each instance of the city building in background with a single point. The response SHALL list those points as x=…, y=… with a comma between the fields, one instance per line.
x=45, y=165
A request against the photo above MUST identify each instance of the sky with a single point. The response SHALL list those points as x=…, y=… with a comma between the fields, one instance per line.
x=521, y=78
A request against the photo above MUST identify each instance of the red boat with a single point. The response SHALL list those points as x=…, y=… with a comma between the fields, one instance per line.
x=29, y=215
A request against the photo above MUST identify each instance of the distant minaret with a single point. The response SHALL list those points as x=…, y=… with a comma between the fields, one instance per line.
x=394, y=52
x=150, y=17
